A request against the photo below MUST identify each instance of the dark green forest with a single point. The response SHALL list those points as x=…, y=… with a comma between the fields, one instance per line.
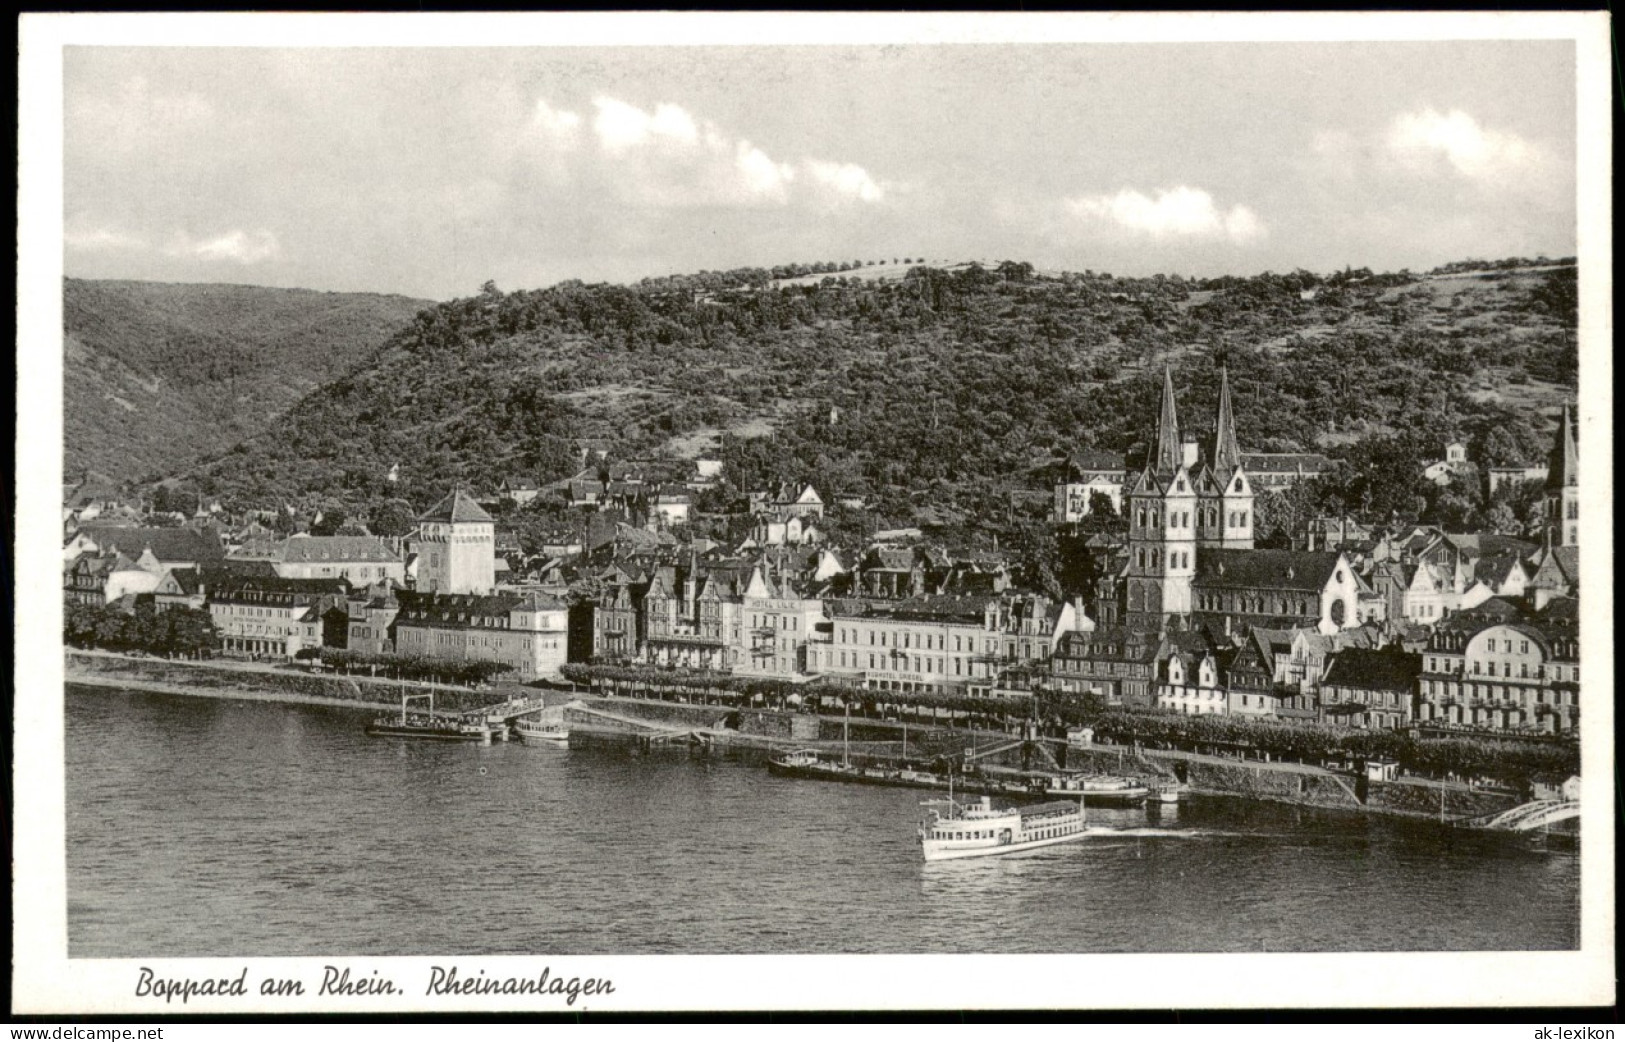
x=939, y=394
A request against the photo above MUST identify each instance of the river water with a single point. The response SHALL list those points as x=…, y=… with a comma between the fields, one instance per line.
x=211, y=828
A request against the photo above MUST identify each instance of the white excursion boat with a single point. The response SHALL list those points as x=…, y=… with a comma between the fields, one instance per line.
x=535, y=733
x=977, y=830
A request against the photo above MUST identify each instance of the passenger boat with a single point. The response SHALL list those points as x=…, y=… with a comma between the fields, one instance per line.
x=432, y=728
x=537, y=733
x=428, y=725
x=1099, y=788
x=978, y=830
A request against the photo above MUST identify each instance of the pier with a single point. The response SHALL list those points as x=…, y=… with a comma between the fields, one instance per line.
x=1527, y=817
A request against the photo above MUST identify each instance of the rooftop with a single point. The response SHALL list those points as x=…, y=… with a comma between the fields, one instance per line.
x=457, y=508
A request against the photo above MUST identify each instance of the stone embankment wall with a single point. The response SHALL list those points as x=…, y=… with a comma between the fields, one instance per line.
x=792, y=727
x=1278, y=783
x=672, y=715
x=213, y=680
x=1419, y=799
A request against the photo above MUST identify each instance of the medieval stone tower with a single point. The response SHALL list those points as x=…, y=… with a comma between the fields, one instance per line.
x=456, y=547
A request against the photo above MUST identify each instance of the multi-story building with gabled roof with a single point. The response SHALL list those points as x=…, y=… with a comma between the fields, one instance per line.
x=1503, y=666
x=526, y=631
x=361, y=559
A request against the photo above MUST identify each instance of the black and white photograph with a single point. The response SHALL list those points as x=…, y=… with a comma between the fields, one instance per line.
x=537, y=491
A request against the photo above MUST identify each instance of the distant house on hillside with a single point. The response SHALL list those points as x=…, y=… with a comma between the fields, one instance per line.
x=1454, y=464
x=1278, y=470
x=1089, y=472
x=519, y=490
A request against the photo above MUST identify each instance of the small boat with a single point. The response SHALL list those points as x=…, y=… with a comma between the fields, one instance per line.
x=1170, y=792
x=535, y=733
x=1100, y=788
x=978, y=830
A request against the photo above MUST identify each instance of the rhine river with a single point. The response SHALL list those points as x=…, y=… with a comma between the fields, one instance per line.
x=211, y=828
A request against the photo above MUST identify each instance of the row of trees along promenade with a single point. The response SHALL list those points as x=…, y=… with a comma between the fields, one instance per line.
x=1449, y=757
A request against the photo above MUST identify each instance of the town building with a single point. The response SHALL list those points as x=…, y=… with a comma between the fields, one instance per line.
x=180, y=588
x=266, y=616
x=773, y=530
x=99, y=578
x=788, y=500
x=525, y=631
x=1278, y=588
x=519, y=490
x=360, y=559
x=1249, y=681
x=667, y=506
x=1116, y=663
x=1500, y=477
x=942, y=642
x=780, y=621
x=1370, y=687
x=692, y=618
x=618, y=621
x=1501, y=666
x=456, y=547
x=163, y=548
x=1188, y=679
x=1555, y=572
x=1281, y=470
x=370, y=619
x=1453, y=466
x=1089, y=472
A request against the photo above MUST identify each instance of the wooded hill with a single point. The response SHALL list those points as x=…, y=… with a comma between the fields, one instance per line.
x=940, y=391
x=156, y=374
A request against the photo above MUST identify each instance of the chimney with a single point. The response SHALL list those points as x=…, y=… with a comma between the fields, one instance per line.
x=1188, y=450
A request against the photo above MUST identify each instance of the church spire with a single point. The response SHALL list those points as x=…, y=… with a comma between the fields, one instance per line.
x=1226, y=453
x=1168, y=455
x=1563, y=470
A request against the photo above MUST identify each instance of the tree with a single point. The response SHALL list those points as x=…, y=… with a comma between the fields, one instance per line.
x=331, y=519
x=1502, y=520
x=392, y=518
x=1455, y=509
x=192, y=632
x=1279, y=515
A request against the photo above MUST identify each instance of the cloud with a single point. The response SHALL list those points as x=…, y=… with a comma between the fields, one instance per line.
x=101, y=240
x=667, y=157
x=236, y=245
x=1420, y=138
x=845, y=179
x=1180, y=212
x=760, y=175
x=555, y=123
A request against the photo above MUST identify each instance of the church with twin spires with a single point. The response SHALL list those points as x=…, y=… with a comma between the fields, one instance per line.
x=1190, y=548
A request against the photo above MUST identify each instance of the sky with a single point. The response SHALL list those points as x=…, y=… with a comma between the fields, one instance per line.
x=428, y=171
